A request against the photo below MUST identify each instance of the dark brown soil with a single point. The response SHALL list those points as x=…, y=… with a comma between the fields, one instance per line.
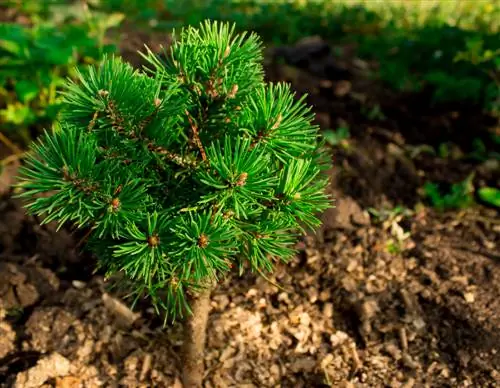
x=409, y=300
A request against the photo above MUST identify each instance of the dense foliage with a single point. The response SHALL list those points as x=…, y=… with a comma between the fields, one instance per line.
x=184, y=169
x=36, y=59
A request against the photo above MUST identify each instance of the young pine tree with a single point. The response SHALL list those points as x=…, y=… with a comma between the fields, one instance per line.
x=182, y=171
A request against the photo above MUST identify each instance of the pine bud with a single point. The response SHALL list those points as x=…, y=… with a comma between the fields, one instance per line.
x=228, y=214
x=233, y=91
x=103, y=93
x=278, y=122
x=115, y=204
x=242, y=179
x=203, y=241
x=153, y=240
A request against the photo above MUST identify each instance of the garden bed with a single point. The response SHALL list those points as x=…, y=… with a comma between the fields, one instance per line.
x=362, y=305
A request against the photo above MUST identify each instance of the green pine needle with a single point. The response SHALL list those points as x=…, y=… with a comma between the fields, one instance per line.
x=184, y=169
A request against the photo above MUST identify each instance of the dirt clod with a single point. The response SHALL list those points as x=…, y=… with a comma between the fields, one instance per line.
x=7, y=338
x=47, y=368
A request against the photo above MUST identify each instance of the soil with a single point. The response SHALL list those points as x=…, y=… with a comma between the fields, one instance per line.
x=398, y=300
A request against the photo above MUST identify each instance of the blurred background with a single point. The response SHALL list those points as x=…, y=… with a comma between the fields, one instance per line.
x=394, y=62
x=401, y=286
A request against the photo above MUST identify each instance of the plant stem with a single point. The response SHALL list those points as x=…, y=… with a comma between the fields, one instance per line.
x=196, y=136
x=194, y=339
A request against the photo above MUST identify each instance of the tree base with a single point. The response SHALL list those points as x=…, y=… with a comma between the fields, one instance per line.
x=195, y=331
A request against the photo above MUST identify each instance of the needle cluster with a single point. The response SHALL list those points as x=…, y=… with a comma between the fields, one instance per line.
x=183, y=169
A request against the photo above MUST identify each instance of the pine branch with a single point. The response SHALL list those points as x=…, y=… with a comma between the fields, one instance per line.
x=118, y=123
x=93, y=122
x=196, y=136
x=183, y=169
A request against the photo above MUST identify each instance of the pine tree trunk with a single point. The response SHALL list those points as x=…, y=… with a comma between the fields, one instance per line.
x=194, y=340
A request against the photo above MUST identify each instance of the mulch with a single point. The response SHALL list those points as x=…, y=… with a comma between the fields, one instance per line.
x=399, y=300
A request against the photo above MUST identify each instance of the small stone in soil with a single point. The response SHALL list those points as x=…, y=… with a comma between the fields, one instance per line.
x=47, y=368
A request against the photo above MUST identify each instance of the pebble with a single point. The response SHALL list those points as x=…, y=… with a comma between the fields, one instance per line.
x=328, y=310
x=78, y=284
x=408, y=361
x=469, y=297
x=338, y=338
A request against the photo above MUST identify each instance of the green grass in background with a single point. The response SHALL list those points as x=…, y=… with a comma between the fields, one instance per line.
x=451, y=47
x=36, y=58
x=448, y=47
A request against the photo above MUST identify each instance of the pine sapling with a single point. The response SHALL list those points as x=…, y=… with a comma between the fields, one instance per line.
x=181, y=171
